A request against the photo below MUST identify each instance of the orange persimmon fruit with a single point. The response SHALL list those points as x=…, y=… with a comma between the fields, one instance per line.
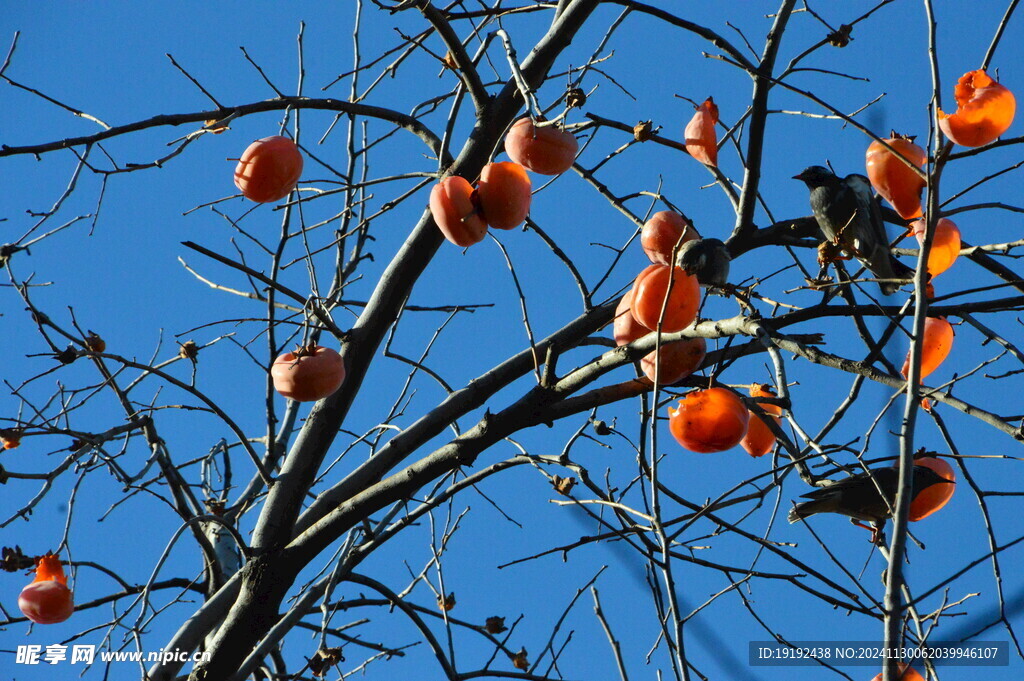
x=945, y=244
x=625, y=328
x=700, y=137
x=47, y=600
x=649, y=295
x=936, y=343
x=545, y=150
x=898, y=183
x=984, y=110
x=268, y=169
x=759, y=439
x=308, y=374
x=909, y=674
x=933, y=498
x=662, y=232
x=677, y=359
x=711, y=420
x=455, y=213
x=504, y=193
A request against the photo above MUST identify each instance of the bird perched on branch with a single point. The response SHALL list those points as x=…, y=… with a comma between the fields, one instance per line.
x=707, y=259
x=850, y=218
x=858, y=496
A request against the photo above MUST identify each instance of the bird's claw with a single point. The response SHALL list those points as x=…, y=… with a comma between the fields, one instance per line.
x=877, y=536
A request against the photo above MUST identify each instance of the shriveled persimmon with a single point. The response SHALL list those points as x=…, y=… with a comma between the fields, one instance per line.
x=10, y=438
x=700, y=137
x=47, y=599
x=759, y=439
x=933, y=497
x=268, y=169
x=936, y=343
x=898, y=183
x=310, y=373
x=945, y=244
x=984, y=111
x=455, y=213
x=504, y=193
x=662, y=232
x=711, y=420
x=678, y=359
x=653, y=285
x=546, y=149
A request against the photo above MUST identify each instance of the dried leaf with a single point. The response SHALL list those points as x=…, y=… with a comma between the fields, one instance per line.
x=95, y=343
x=519, y=660
x=446, y=603
x=642, y=131
x=217, y=130
x=13, y=560
x=495, y=625
x=575, y=98
x=67, y=355
x=324, y=659
x=188, y=350
x=841, y=38
x=564, y=485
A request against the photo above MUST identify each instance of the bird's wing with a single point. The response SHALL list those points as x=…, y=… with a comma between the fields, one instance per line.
x=872, y=232
x=885, y=477
x=821, y=492
x=871, y=240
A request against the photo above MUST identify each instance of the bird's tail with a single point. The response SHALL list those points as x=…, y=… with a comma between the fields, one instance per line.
x=899, y=271
x=809, y=508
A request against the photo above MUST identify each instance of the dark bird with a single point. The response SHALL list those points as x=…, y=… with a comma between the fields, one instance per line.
x=708, y=259
x=849, y=217
x=857, y=496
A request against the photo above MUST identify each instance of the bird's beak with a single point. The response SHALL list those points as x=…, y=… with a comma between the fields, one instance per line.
x=799, y=177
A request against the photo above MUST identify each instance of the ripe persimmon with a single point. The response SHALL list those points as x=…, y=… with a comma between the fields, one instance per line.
x=891, y=177
x=945, y=244
x=625, y=328
x=546, y=150
x=451, y=205
x=662, y=232
x=649, y=292
x=909, y=674
x=504, y=193
x=308, y=374
x=936, y=343
x=678, y=359
x=934, y=497
x=268, y=169
x=47, y=599
x=711, y=420
x=984, y=110
x=759, y=439
x=700, y=137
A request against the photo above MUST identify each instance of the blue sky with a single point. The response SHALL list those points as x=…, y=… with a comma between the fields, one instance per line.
x=120, y=272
